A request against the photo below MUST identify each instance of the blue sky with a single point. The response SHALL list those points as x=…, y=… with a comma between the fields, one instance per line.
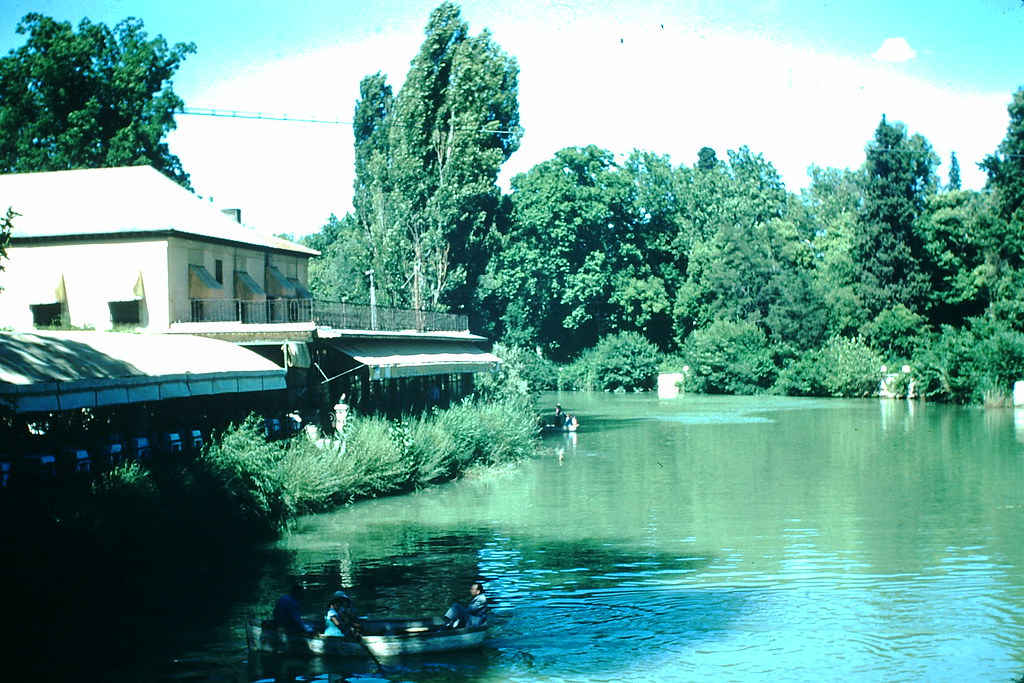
x=801, y=82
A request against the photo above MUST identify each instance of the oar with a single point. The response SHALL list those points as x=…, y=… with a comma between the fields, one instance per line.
x=359, y=639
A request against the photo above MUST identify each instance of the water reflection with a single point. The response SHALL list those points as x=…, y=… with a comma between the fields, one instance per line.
x=699, y=538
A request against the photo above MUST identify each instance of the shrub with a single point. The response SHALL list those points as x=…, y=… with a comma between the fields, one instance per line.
x=523, y=373
x=843, y=367
x=849, y=368
x=975, y=365
x=729, y=357
x=626, y=361
x=245, y=465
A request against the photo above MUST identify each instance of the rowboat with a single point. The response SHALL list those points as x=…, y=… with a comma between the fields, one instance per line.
x=382, y=637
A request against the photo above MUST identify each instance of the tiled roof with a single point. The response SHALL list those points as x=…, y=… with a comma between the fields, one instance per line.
x=126, y=200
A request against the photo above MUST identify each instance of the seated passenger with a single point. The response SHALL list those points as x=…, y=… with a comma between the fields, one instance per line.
x=475, y=614
x=340, y=620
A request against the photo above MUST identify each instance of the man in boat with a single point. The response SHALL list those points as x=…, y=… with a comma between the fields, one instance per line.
x=287, y=614
x=474, y=614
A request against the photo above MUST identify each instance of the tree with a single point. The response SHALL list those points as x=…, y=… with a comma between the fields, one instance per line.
x=899, y=175
x=741, y=247
x=93, y=98
x=833, y=201
x=6, y=226
x=1005, y=167
x=954, y=173
x=550, y=275
x=967, y=255
x=428, y=161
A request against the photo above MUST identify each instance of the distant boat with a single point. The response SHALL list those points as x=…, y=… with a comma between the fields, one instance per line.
x=383, y=638
x=557, y=429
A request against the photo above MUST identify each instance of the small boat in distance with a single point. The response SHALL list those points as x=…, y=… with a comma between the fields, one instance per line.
x=381, y=637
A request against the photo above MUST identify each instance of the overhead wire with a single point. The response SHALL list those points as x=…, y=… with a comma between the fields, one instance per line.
x=238, y=114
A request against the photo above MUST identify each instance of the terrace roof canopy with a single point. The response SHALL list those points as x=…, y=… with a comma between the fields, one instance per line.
x=54, y=371
x=393, y=358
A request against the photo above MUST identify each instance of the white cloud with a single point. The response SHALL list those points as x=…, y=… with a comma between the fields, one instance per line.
x=895, y=50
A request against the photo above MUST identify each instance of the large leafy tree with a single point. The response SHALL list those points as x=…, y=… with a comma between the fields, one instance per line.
x=1005, y=170
x=741, y=247
x=899, y=175
x=428, y=161
x=550, y=276
x=833, y=201
x=1005, y=167
x=94, y=97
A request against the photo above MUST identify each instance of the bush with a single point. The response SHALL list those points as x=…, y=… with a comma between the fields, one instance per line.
x=622, y=362
x=729, y=357
x=975, y=365
x=843, y=367
x=523, y=373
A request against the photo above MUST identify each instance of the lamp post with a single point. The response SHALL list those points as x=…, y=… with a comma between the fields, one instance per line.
x=373, y=301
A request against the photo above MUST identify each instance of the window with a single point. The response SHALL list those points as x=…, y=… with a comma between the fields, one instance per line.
x=125, y=312
x=218, y=271
x=47, y=315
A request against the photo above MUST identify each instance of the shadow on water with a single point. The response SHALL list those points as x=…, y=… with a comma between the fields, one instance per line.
x=574, y=609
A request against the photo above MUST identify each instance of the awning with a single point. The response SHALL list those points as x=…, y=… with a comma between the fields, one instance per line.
x=244, y=284
x=128, y=290
x=278, y=284
x=69, y=370
x=389, y=358
x=300, y=289
x=202, y=285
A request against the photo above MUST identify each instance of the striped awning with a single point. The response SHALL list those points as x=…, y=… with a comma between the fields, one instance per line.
x=391, y=358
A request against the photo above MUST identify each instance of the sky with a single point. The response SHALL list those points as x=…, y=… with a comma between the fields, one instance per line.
x=800, y=82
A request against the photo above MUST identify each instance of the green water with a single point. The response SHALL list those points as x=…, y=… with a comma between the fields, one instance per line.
x=695, y=539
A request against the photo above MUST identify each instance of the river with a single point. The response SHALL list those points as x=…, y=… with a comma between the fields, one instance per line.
x=692, y=539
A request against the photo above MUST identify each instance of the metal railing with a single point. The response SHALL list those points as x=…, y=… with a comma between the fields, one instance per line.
x=336, y=314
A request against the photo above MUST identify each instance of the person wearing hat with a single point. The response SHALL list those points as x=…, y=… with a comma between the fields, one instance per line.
x=341, y=620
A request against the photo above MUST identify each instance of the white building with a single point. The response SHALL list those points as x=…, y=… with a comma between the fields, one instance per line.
x=128, y=248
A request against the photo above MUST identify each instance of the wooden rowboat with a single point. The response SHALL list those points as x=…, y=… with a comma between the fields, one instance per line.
x=382, y=637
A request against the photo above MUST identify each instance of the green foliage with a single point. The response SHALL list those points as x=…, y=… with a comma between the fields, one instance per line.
x=899, y=175
x=729, y=357
x=246, y=465
x=843, y=367
x=523, y=373
x=6, y=226
x=624, y=362
x=1005, y=167
x=427, y=161
x=89, y=98
x=896, y=331
x=978, y=364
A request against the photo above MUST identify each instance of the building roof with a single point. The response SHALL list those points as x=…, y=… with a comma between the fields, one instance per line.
x=45, y=372
x=131, y=200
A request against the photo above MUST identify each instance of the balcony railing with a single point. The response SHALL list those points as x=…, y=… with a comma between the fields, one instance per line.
x=334, y=314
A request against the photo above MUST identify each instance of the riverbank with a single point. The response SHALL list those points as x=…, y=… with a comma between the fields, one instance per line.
x=139, y=533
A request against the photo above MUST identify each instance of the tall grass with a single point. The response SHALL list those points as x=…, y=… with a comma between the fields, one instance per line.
x=274, y=482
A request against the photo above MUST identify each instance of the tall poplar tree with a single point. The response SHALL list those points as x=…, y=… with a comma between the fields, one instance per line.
x=428, y=162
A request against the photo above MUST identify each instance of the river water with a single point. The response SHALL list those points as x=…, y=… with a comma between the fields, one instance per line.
x=691, y=539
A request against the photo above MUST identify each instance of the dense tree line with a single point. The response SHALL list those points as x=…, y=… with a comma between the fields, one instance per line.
x=716, y=263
